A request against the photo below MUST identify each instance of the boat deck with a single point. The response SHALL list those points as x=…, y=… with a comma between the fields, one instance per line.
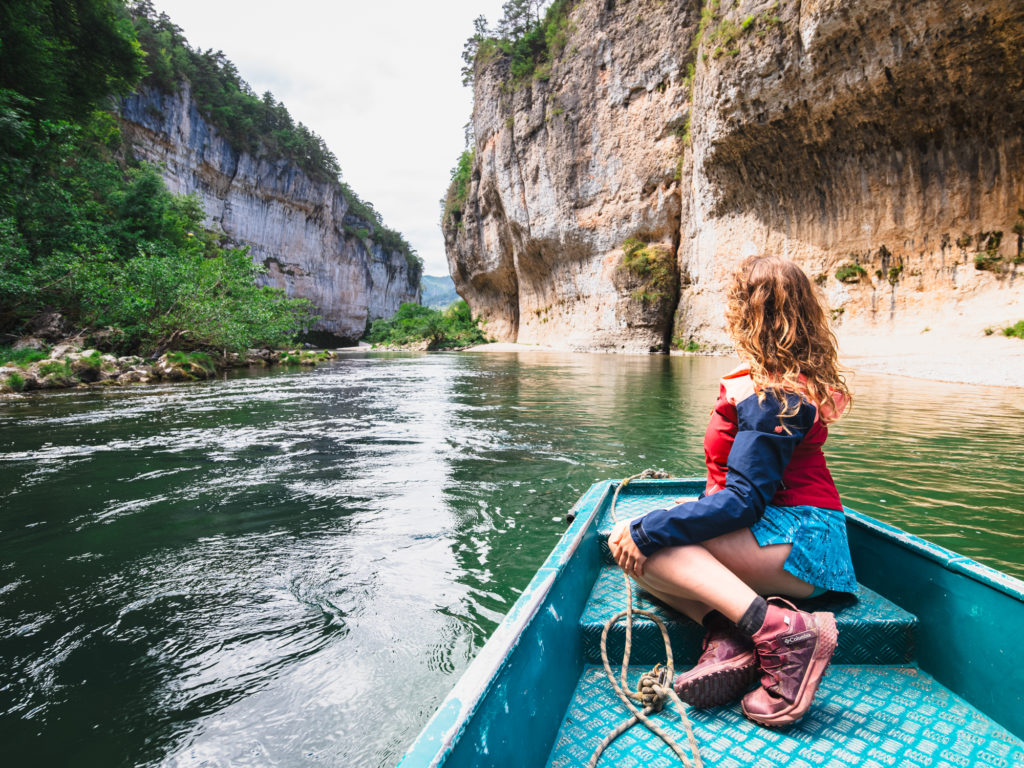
x=926, y=673
x=874, y=706
x=864, y=715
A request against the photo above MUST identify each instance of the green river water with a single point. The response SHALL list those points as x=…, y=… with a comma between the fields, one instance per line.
x=294, y=567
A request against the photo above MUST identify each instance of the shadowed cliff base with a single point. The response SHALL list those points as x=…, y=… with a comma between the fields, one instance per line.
x=325, y=340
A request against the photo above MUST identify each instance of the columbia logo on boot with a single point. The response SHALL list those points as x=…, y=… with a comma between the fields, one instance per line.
x=806, y=635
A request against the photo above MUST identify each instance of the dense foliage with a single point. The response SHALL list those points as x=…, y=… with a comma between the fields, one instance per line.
x=453, y=327
x=67, y=56
x=530, y=34
x=86, y=231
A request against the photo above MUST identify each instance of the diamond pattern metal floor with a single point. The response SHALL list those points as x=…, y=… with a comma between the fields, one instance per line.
x=870, y=710
x=872, y=716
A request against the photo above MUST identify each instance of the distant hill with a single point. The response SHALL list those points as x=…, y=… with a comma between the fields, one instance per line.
x=438, y=292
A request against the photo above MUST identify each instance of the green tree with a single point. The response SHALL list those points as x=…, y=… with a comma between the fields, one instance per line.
x=455, y=327
x=471, y=48
x=529, y=34
x=67, y=56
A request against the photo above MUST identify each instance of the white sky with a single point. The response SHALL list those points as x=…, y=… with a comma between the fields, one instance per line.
x=378, y=80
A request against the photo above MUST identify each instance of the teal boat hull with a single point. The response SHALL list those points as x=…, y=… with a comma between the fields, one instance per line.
x=928, y=675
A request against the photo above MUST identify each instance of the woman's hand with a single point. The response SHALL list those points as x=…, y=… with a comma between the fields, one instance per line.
x=624, y=550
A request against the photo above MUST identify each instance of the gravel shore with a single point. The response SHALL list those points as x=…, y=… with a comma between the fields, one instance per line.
x=945, y=353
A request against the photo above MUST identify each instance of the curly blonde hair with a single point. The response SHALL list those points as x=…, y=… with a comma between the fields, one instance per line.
x=777, y=319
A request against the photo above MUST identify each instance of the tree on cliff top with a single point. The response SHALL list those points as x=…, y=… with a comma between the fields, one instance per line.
x=530, y=34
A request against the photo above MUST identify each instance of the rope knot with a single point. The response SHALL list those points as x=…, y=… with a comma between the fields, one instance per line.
x=652, y=688
x=647, y=474
x=654, y=474
x=655, y=686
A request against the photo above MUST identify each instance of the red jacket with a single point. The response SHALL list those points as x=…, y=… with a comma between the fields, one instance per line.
x=752, y=461
x=806, y=479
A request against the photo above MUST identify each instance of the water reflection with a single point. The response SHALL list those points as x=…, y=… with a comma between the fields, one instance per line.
x=940, y=460
x=296, y=566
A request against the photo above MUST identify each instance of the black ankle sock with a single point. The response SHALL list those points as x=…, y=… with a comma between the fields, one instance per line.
x=752, y=620
x=714, y=620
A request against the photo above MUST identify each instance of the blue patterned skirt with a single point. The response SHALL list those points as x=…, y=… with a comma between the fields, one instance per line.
x=821, y=553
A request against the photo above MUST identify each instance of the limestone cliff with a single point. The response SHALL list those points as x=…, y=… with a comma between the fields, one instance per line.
x=882, y=142
x=301, y=229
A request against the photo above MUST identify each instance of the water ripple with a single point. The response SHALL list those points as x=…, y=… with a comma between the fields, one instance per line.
x=287, y=567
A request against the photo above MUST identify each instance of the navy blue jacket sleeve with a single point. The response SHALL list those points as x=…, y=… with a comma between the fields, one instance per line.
x=758, y=457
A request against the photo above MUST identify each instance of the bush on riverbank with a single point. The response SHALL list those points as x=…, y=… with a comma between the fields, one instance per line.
x=20, y=357
x=415, y=324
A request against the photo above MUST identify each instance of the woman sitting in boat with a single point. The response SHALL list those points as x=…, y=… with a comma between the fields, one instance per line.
x=770, y=521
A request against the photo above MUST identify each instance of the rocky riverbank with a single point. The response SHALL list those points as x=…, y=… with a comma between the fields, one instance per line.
x=67, y=364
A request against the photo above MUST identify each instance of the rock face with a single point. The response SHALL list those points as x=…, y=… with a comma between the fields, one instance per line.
x=883, y=141
x=299, y=228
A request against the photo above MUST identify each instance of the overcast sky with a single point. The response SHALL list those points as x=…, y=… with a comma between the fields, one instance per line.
x=378, y=80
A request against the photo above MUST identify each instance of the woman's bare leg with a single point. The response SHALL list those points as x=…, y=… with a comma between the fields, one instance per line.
x=725, y=573
x=695, y=609
x=692, y=608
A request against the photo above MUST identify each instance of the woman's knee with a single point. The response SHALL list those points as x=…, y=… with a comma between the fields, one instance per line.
x=673, y=560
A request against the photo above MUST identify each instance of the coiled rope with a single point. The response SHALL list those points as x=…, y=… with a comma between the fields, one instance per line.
x=654, y=687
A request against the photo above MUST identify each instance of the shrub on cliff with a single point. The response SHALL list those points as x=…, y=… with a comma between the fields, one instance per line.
x=652, y=265
x=454, y=203
x=851, y=273
x=989, y=258
x=1017, y=329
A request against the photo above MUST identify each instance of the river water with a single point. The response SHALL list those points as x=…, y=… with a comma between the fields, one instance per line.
x=294, y=567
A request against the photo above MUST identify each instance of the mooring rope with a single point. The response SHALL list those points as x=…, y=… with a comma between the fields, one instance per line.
x=655, y=686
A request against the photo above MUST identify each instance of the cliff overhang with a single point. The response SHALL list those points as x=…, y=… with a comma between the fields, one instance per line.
x=885, y=137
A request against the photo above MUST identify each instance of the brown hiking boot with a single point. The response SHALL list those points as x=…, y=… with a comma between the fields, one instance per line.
x=793, y=649
x=724, y=670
